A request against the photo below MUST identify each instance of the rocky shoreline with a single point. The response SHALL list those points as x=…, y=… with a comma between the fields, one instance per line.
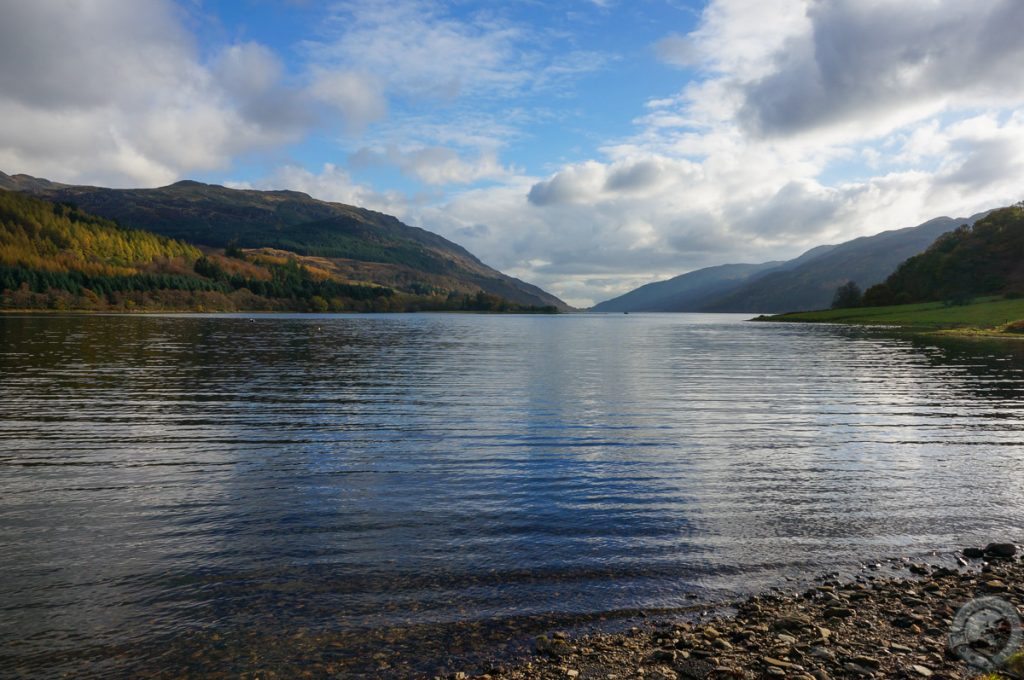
x=876, y=625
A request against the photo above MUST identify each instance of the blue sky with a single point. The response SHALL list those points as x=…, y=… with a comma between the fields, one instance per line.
x=600, y=62
x=588, y=146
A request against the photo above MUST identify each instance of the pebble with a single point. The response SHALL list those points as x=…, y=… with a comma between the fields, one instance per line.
x=838, y=613
x=778, y=663
x=867, y=662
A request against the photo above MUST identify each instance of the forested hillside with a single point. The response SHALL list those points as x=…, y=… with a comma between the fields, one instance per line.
x=812, y=283
x=364, y=246
x=59, y=238
x=984, y=259
x=57, y=256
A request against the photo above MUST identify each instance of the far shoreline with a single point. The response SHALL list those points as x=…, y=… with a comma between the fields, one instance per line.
x=259, y=312
x=989, y=318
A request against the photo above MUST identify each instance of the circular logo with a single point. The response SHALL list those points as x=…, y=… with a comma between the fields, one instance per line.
x=986, y=632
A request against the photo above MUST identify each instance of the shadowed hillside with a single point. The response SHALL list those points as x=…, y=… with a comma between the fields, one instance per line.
x=803, y=283
x=684, y=293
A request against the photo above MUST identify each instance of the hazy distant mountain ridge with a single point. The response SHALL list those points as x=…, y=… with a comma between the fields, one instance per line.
x=368, y=246
x=866, y=260
x=686, y=292
x=803, y=283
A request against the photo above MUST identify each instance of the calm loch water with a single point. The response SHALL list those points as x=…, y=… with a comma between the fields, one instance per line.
x=392, y=495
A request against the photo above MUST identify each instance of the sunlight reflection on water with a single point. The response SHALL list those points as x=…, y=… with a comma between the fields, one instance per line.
x=180, y=477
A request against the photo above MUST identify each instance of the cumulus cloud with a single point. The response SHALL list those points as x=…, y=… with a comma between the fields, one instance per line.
x=114, y=92
x=795, y=123
x=811, y=122
x=357, y=96
x=738, y=38
x=592, y=181
x=578, y=183
x=117, y=92
x=877, y=64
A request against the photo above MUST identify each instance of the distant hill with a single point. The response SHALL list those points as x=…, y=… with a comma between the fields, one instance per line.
x=366, y=246
x=984, y=259
x=684, y=293
x=811, y=285
x=691, y=292
x=803, y=283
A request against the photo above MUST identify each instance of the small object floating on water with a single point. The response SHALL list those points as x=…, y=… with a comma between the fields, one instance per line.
x=252, y=320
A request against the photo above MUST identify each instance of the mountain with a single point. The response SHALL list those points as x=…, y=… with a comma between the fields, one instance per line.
x=803, y=283
x=690, y=292
x=360, y=245
x=40, y=235
x=56, y=256
x=684, y=293
x=812, y=283
x=985, y=258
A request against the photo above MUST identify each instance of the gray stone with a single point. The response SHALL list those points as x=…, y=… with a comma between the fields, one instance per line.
x=1002, y=550
x=693, y=669
x=838, y=613
x=791, y=623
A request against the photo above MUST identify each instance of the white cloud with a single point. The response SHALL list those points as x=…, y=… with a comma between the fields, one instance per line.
x=448, y=83
x=434, y=165
x=873, y=65
x=808, y=122
x=114, y=92
x=737, y=166
x=357, y=96
x=736, y=37
x=418, y=51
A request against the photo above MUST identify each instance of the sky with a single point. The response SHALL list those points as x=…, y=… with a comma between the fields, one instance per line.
x=586, y=146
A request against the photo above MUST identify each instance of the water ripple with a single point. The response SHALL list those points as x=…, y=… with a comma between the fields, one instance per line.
x=189, y=487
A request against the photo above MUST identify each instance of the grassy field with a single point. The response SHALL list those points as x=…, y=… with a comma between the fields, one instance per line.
x=990, y=314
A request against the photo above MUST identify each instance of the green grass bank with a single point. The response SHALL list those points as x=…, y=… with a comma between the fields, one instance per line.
x=988, y=316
